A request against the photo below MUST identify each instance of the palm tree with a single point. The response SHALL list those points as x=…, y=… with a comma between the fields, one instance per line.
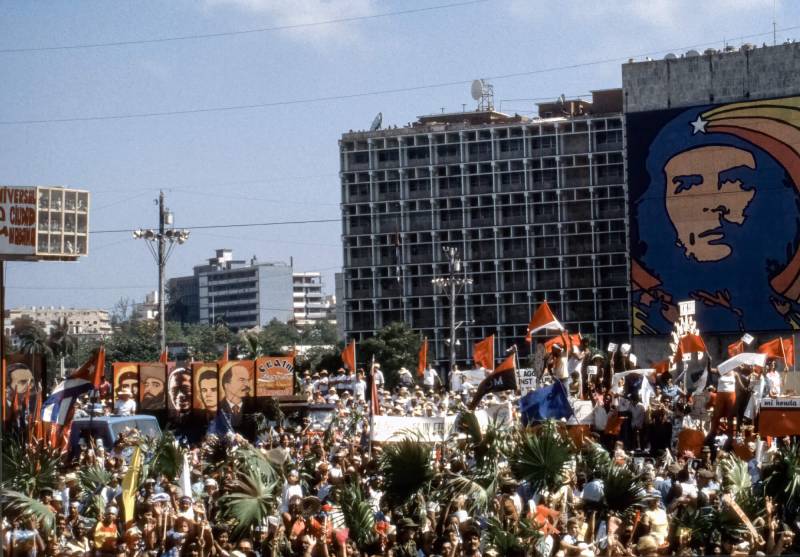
x=541, y=457
x=33, y=341
x=249, y=345
x=62, y=344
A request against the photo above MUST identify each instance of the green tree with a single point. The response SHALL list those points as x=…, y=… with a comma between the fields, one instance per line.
x=321, y=357
x=249, y=345
x=134, y=341
x=276, y=336
x=319, y=333
x=206, y=342
x=62, y=344
x=395, y=346
x=33, y=340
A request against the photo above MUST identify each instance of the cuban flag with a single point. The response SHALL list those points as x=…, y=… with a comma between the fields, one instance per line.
x=56, y=408
x=59, y=405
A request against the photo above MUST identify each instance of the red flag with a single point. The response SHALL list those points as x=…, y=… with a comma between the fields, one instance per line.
x=779, y=348
x=735, y=348
x=565, y=340
x=222, y=359
x=164, y=357
x=374, y=403
x=509, y=363
x=4, y=394
x=661, y=367
x=349, y=356
x=692, y=343
x=36, y=425
x=543, y=318
x=422, y=358
x=483, y=353
x=92, y=370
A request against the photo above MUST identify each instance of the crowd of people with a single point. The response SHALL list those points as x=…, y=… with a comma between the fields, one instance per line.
x=618, y=480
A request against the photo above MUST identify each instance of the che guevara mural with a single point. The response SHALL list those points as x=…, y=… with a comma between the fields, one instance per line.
x=715, y=215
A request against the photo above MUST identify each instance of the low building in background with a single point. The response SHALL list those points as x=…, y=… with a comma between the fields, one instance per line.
x=84, y=323
x=147, y=310
x=309, y=302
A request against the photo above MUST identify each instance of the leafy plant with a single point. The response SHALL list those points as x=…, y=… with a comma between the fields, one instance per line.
x=541, y=457
x=29, y=468
x=735, y=476
x=622, y=490
x=165, y=456
x=406, y=469
x=358, y=515
x=249, y=503
x=22, y=506
x=93, y=478
x=782, y=478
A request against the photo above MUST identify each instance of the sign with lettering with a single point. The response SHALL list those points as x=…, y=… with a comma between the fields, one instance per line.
x=275, y=376
x=43, y=223
x=526, y=380
x=17, y=221
x=686, y=308
x=396, y=428
x=786, y=402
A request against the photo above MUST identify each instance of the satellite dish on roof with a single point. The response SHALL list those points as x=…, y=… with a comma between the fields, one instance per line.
x=692, y=53
x=670, y=56
x=476, y=90
x=376, y=123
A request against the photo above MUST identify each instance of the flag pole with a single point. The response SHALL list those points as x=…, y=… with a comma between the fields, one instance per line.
x=372, y=403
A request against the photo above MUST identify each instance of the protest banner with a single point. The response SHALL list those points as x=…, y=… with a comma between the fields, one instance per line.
x=744, y=358
x=275, y=376
x=396, y=428
x=526, y=380
x=779, y=416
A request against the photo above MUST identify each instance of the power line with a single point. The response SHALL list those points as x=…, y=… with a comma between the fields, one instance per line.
x=240, y=32
x=348, y=96
x=234, y=225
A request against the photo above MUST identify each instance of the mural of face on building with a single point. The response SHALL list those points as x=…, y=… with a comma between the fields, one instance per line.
x=702, y=194
x=715, y=215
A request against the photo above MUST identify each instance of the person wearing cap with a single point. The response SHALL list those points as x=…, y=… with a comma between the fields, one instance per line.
x=655, y=518
x=106, y=534
x=404, y=377
x=405, y=545
x=125, y=405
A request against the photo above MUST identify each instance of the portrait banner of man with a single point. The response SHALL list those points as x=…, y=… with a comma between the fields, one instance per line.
x=236, y=389
x=714, y=194
x=275, y=376
x=152, y=386
x=126, y=376
x=179, y=392
x=205, y=389
x=23, y=381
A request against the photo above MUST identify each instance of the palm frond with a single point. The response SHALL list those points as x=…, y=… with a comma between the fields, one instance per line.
x=406, y=468
x=782, y=477
x=166, y=457
x=250, y=460
x=594, y=459
x=93, y=478
x=622, y=490
x=735, y=476
x=17, y=504
x=501, y=540
x=249, y=503
x=477, y=492
x=358, y=515
x=29, y=468
x=541, y=457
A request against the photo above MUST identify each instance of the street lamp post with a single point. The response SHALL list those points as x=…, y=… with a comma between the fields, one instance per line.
x=161, y=252
x=452, y=285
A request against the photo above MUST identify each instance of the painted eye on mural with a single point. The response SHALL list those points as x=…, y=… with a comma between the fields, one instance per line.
x=684, y=183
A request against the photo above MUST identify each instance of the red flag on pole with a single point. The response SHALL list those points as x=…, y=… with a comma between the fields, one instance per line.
x=543, y=318
x=483, y=353
x=565, y=340
x=164, y=357
x=422, y=358
x=349, y=356
x=92, y=370
x=735, y=348
x=504, y=378
x=779, y=348
x=224, y=358
x=374, y=403
x=4, y=394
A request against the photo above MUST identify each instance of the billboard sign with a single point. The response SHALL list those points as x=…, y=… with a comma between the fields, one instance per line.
x=715, y=215
x=49, y=223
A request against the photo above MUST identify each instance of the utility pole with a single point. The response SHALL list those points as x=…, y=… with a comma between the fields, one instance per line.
x=452, y=286
x=165, y=240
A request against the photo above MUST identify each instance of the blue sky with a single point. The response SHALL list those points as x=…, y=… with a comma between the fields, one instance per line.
x=281, y=163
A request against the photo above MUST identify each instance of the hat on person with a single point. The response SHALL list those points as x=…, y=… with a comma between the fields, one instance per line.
x=71, y=477
x=556, y=346
x=647, y=543
x=112, y=510
x=210, y=482
x=406, y=523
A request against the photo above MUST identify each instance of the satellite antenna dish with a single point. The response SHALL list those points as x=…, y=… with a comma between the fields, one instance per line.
x=562, y=99
x=477, y=89
x=376, y=123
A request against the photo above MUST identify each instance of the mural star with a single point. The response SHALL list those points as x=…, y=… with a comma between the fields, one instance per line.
x=699, y=125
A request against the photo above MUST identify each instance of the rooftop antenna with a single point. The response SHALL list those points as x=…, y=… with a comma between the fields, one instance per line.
x=774, y=25
x=376, y=122
x=483, y=92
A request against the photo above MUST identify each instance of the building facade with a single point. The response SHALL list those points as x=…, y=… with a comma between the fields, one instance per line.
x=309, y=301
x=536, y=207
x=86, y=323
x=240, y=293
x=148, y=309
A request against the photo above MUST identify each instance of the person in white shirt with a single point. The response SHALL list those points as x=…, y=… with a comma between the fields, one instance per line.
x=430, y=378
x=360, y=387
x=125, y=405
x=291, y=489
x=559, y=367
x=377, y=376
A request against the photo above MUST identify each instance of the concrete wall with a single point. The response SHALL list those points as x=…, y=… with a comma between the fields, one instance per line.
x=712, y=78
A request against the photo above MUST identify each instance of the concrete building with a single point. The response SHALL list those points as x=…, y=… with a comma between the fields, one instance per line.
x=86, y=323
x=148, y=309
x=309, y=302
x=241, y=293
x=536, y=207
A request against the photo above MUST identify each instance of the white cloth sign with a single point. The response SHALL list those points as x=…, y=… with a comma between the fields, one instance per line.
x=745, y=358
x=583, y=412
x=526, y=380
x=396, y=428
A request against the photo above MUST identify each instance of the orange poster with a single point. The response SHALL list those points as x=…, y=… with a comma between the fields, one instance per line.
x=275, y=376
x=126, y=375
